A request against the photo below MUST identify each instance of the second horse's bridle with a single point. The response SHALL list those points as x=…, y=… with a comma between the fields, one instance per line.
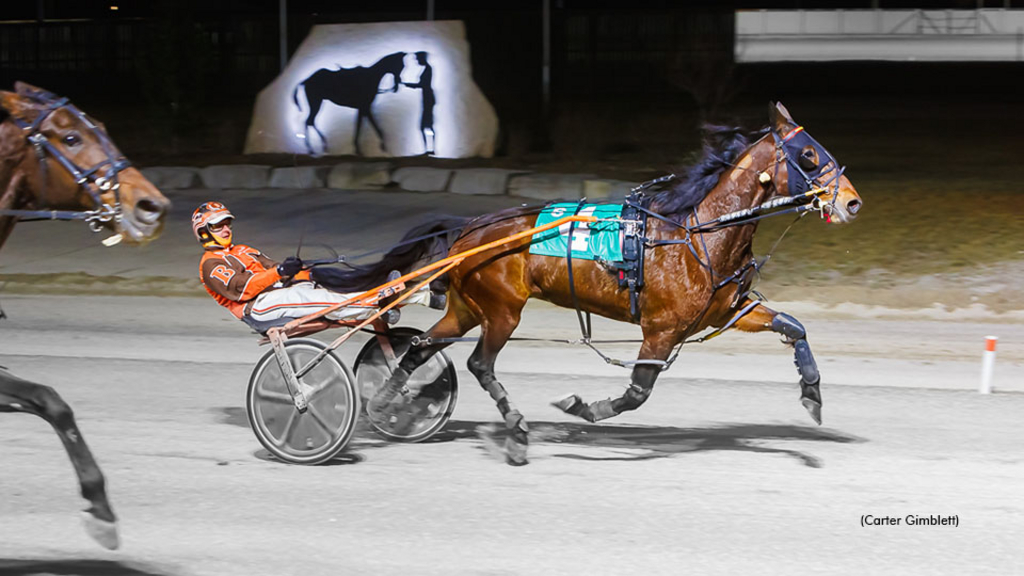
x=96, y=180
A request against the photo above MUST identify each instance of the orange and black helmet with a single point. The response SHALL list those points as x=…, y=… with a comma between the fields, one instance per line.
x=207, y=214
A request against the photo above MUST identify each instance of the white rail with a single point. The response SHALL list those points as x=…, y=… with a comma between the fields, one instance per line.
x=929, y=35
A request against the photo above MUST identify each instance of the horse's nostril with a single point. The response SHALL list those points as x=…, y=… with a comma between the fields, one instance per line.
x=853, y=206
x=148, y=211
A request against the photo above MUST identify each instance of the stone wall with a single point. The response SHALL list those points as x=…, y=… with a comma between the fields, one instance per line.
x=382, y=176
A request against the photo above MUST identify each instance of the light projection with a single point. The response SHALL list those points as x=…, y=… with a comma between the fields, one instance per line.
x=383, y=89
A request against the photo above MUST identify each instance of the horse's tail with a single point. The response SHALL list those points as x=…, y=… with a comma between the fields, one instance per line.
x=423, y=244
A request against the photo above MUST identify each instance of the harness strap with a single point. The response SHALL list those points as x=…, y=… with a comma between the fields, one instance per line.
x=584, y=325
x=732, y=321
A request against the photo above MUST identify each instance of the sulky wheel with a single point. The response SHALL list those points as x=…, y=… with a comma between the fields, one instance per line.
x=323, y=430
x=433, y=388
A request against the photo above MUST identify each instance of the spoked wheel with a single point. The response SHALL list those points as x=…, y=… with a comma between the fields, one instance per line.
x=324, y=429
x=433, y=388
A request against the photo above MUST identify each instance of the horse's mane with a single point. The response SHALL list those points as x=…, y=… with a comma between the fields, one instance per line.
x=723, y=145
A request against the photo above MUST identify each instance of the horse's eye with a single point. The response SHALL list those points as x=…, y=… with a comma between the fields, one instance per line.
x=72, y=140
x=808, y=159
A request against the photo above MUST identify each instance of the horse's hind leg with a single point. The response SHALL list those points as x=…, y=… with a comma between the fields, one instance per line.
x=495, y=332
x=761, y=319
x=17, y=395
x=456, y=322
x=655, y=349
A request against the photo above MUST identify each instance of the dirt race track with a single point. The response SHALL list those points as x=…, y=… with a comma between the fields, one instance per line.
x=721, y=472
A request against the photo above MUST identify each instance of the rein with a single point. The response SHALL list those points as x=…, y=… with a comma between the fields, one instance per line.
x=91, y=179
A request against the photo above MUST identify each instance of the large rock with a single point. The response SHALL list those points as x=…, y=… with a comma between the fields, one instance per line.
x=171, y=177
x=422, y=179
x=299, y=177
x=602, y=189
x=345, y=68
x=235, y=176
x=548, y=186
x=359, y=176
x=481, y=181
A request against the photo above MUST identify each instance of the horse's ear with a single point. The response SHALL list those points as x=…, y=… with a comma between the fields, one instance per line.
x=30, y=91
x=15, y=105
x=781, y=121
x=10, y=101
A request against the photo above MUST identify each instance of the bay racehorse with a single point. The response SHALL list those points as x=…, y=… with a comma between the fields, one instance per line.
x=698, y=265
x=350, y=88
x=58, y=163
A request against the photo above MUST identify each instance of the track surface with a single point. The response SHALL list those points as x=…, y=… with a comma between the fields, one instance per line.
x=710, y=476
x=721, y=472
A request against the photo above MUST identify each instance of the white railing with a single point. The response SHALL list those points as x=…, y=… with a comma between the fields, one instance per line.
x=926, y=35
x=878, y=22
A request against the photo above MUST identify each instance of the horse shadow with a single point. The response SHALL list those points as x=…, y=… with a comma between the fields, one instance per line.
x=608, y=442
x=74, y=567
x=355, y=88
x=631, y=442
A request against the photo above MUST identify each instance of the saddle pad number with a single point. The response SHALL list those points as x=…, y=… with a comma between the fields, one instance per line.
x=590, y=241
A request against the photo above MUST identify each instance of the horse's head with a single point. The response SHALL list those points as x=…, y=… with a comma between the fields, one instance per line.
x=70, y=163
x=392, y=64
x=805, y=167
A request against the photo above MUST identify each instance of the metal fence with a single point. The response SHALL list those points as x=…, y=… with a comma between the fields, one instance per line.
x=594, y=51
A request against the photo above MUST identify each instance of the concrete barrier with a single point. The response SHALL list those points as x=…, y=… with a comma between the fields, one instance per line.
x=482, y=181
x=169, y=177
x=299, y=177
x=422, y=179
x=548, y=186
x=246, y=176
x=359, y=176
x=377, y=175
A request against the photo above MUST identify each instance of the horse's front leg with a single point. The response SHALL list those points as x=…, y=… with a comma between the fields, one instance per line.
x=653, y=353
x=359, y=129
x=380, y=133
x=761, y=319
x=18, y=395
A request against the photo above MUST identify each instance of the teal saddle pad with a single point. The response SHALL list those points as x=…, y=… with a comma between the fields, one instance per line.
x=590, y=241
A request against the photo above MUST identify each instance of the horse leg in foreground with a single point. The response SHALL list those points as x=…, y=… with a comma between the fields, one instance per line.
x=17, y=395
x=656, y=350
x=763, y=318
x=495, y=332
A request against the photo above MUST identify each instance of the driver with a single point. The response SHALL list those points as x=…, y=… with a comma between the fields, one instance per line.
x=252, y=286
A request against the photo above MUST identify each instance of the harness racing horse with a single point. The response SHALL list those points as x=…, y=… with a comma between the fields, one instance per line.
x=699, y=263
x=351, y=88
x=58, y=163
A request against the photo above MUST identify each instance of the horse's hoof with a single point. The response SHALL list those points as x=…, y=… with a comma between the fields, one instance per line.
x=102, y=531
x=813, y=408
x=571, y=404
x=810, y=397
x=515, y=452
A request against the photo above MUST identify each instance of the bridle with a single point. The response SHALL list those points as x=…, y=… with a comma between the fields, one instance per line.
x=788, y=149
x=96, y=180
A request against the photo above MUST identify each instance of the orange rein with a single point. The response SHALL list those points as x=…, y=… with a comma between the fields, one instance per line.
x=371, y=296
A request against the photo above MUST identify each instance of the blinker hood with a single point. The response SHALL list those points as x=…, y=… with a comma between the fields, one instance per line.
x=793, y=145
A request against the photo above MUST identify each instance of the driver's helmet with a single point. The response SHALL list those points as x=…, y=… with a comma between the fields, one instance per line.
x=210, y=213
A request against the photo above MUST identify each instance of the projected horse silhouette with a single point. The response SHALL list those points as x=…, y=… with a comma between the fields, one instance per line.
x=350, y=88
